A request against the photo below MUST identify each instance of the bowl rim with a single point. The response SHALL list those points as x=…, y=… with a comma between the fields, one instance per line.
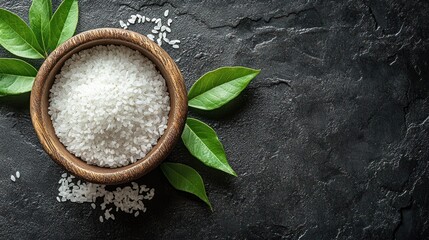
x=43, y=125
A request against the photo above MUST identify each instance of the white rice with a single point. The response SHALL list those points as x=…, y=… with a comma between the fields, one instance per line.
x=133, y=19
x=158, y=28
x=18, y=174
x=12, y=178
x=109, y=105
x=151, y=36
x=128, y=199
x=123, y=25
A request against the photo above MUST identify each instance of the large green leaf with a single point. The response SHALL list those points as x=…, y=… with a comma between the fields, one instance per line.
x=16, y=76
x=202, y=142
x=220, y=86
x=17, y=37
x=63, y=23
x=185, y=178
x=40, y=15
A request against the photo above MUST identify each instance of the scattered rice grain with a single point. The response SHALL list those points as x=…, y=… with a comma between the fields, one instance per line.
x=151, y=37
x=127, y=199
x=123, y=25
x=159, y=27
x=132, y=20
x=174, y=41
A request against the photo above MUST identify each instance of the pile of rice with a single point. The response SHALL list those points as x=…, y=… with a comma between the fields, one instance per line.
x=109, y=105
x=128, y=199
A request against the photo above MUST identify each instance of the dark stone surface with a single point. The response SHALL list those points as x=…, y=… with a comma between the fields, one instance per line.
x=329, y=142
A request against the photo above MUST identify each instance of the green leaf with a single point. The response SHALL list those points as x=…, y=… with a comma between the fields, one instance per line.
x=63, y=23
x=16, y=76
x=185, y=178
x=40, y=15
x=202, y=142
x=220, y=86
x=17, y=37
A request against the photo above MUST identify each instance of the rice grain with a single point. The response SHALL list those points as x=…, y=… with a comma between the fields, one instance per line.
x=109, y=105
x=128, y=199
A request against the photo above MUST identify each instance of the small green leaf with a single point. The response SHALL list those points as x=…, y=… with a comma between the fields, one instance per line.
x=16, y=76
x=17, y=37
x=216, y=88
x=63, y=23
x=40, y=15
x=202, y=142
x=185, y=178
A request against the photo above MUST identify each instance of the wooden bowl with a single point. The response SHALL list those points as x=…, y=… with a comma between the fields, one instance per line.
x=42, y=121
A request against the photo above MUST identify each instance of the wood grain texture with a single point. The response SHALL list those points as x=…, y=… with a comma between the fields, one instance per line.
x=43, y=125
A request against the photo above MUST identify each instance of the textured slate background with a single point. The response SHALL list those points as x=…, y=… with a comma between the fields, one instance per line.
x=330, y=141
